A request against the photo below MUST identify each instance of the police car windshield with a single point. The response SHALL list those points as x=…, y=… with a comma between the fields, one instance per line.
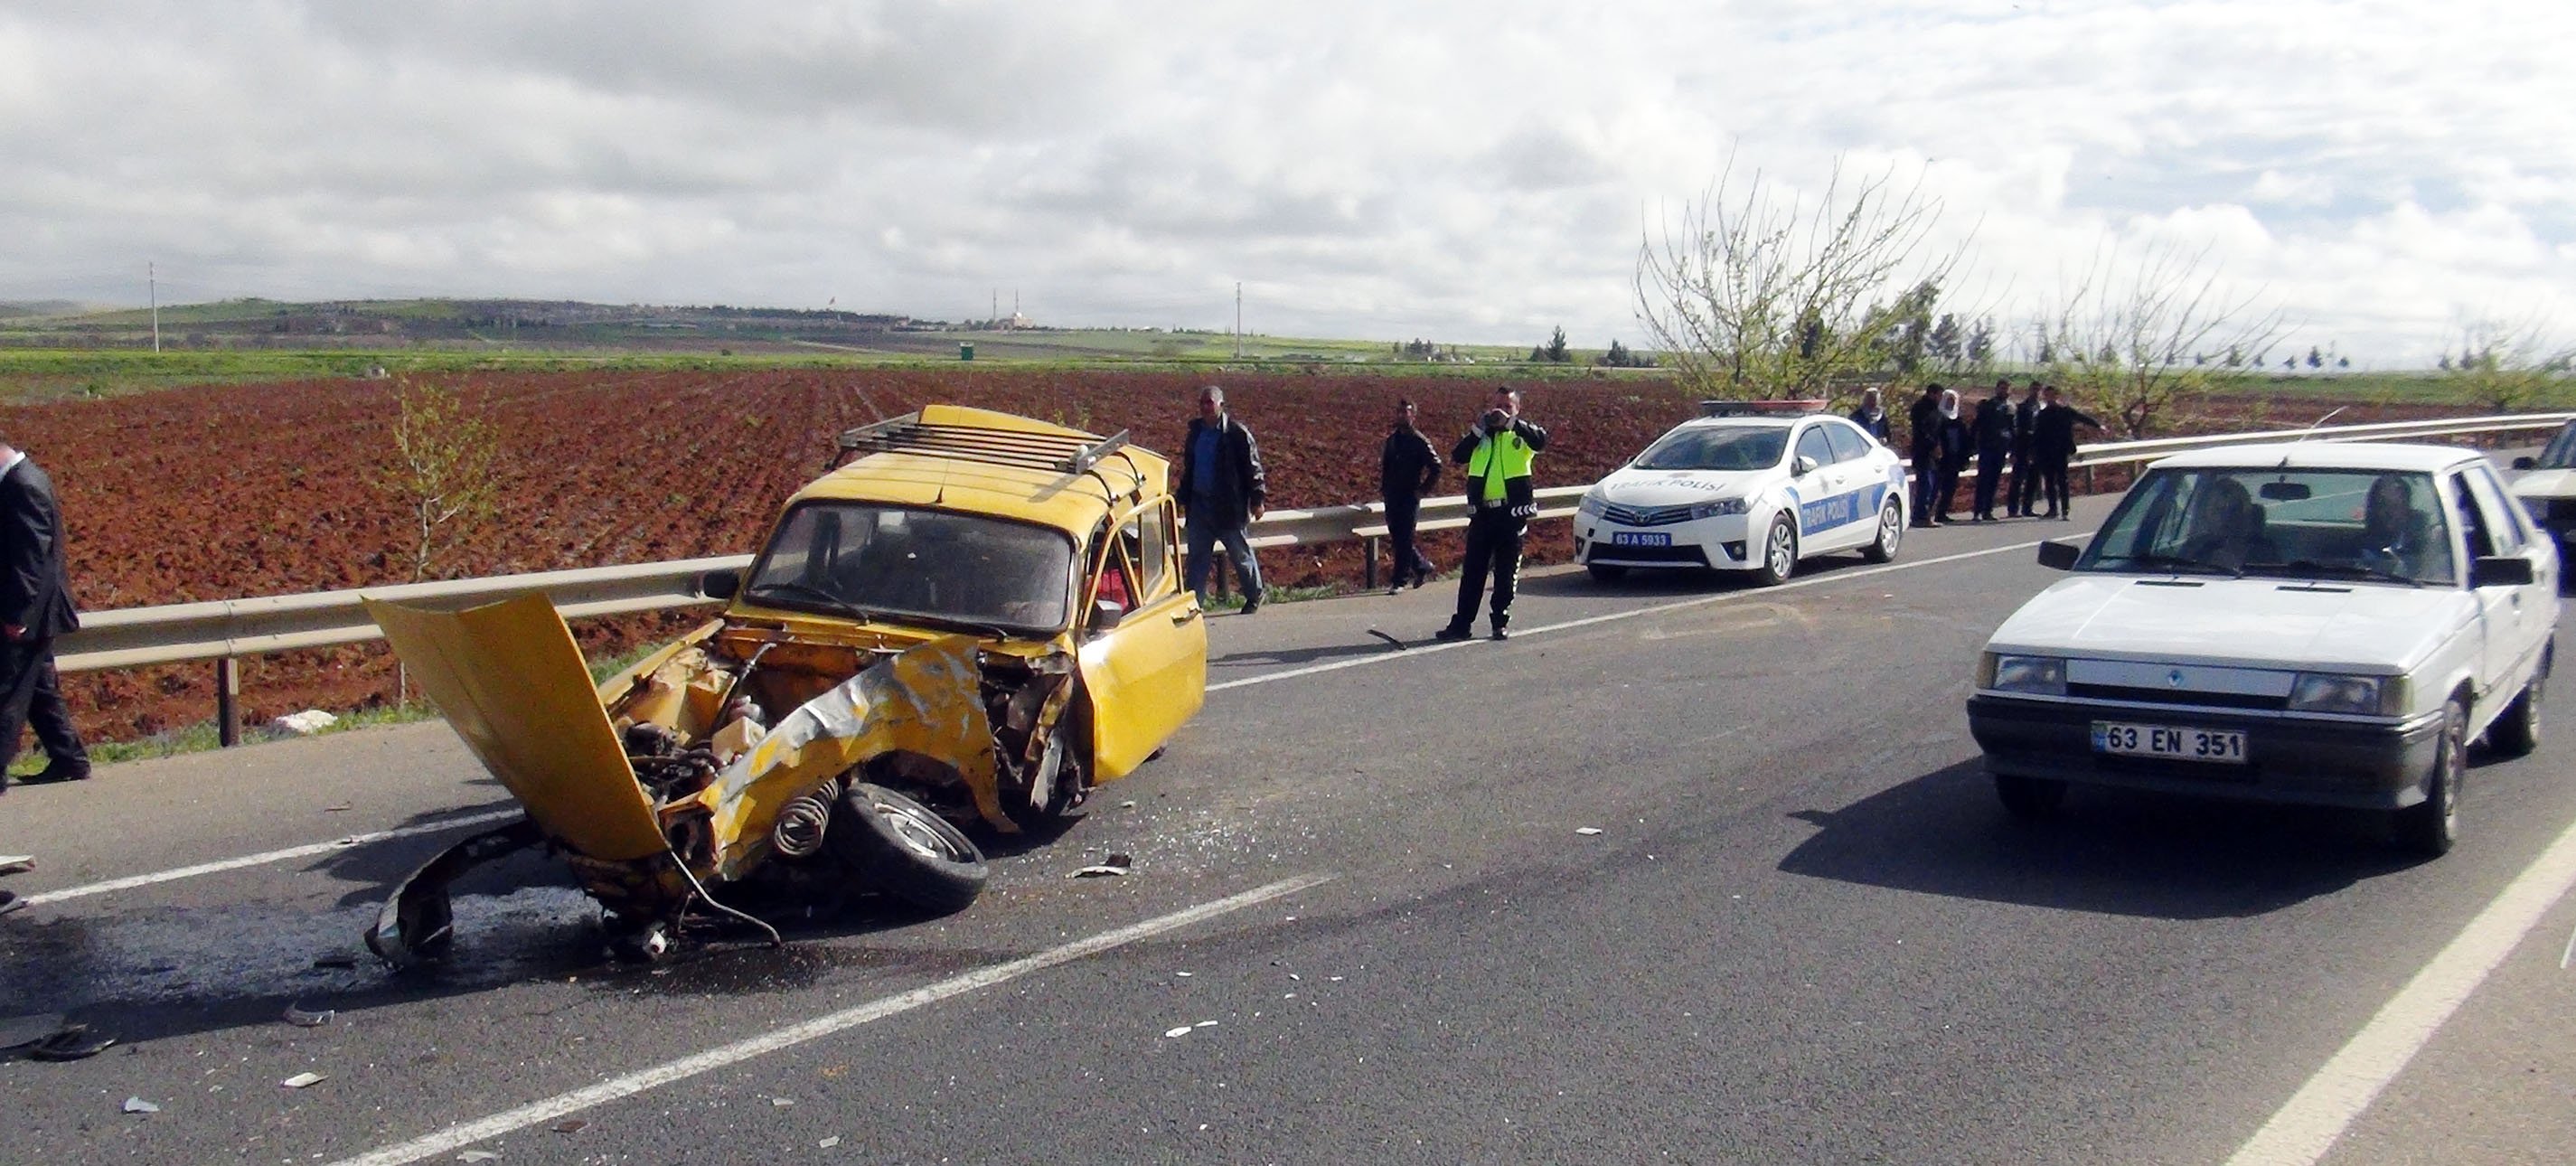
x=2561, y=454
x=1717, y=447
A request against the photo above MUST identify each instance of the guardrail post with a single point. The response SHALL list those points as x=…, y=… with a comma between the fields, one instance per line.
x=1368, y=557
x=2088, y=479
x=227, y=701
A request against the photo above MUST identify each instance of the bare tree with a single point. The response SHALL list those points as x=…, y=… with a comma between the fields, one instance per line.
x=1760, y=292
x=2507, y=367
x=2126, y=333
x=442, y=472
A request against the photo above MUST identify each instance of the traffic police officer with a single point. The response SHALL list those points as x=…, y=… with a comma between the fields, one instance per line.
x=1497, y=454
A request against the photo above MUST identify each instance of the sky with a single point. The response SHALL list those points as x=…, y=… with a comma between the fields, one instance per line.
x=2385, y=176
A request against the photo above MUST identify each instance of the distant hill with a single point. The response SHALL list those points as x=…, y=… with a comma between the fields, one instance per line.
x=22, y=309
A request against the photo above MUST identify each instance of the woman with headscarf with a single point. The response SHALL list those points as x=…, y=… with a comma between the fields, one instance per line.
x=1950, y=451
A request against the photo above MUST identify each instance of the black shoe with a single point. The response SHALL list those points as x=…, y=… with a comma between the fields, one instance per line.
x=1250, y=606
x=55, y=771
x=1501, y=634
x=1451, y=634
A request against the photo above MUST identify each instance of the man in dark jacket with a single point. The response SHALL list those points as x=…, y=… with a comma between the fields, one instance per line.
x=1222, y=491
x=35, y=607
x=2025, y=470
x=1923, y=431
x=1501, y=500
x=2052, y=443
x=1993, y=432
x=1407, y=469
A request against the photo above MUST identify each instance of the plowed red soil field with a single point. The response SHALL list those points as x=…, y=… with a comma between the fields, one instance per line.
x=239, y=490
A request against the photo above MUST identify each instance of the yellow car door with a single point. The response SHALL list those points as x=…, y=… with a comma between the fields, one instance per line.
x=1147, y=673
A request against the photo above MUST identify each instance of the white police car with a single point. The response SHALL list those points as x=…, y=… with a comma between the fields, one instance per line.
x=1754, y=487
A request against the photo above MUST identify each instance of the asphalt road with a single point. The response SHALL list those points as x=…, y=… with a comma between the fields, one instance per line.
x=1804, y=932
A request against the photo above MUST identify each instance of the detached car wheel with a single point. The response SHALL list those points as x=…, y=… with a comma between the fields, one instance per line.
x=1891, y=531
x=2030, y=799
x=2430, y=827
x=2517, y=732
x=902, y=848
x=1779, y=554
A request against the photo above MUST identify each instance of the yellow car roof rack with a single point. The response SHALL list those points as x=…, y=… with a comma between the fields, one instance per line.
x=1065, y=452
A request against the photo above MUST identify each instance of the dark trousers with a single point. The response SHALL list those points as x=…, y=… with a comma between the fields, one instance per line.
x=2025, y=482
x=2052, y=478
x=1493, y=544
x=1990, y=475
x=31, y=694
x=1401, y=513
x=1945, y=487
x=1927, y=474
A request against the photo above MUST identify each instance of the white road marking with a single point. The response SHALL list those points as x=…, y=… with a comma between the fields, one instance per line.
x=307, y=851
x=293, y=852
x=1421, y=650
x=2321, y=1110
x=467, y=1133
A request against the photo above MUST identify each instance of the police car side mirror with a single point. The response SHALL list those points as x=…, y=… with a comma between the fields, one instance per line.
x=2059, y=556
x=1803, y=466
x=2500, y=571
x=2524, y=463
x=720, y=584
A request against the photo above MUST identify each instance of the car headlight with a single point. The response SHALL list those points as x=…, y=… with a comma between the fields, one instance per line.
x=1721, y=507
x=2369, y=696
x=1590, y=507
x=2043, y=675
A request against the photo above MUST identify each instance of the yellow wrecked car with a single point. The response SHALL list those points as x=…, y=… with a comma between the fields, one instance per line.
x=969, y=625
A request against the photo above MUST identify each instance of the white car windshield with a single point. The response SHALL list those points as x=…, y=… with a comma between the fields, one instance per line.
x=867, y=561
x=2300, y=524
x=1717, y=447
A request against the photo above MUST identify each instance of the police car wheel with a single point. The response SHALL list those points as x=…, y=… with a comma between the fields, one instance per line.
x=1779, y=554
x=1891, y=530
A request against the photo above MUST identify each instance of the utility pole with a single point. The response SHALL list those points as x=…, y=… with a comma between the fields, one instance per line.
x=1238, y=319
x=152, y=286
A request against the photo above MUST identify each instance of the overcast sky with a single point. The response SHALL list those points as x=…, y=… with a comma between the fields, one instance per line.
x=1467, y=172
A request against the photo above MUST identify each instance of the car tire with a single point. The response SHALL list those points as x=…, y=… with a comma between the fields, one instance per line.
x=1606, y=573
x=2031, y=799
x=1891, y=531
x=1779, y=554
x=2517, y=732
x=2430, y=827
x=904, y=849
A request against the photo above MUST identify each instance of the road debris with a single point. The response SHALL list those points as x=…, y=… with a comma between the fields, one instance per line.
x=303, y=1080
x=1183, y=1030
x=570, y=1125
x=1398, y=644
x=71, y=1042
x=1587, y=831
x=1185, y=975
x=1115, y=866
x=22, y=863
x=782, y=1102
x=138, y=1105
x=306, y=723
x=302, y=1019
x=26, y=1030
x=476, y=1156
x=828, y=1143
x=336, y=962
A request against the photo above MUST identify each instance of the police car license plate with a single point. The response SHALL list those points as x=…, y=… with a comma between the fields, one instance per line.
x=1631, y=538
x=2221, y=746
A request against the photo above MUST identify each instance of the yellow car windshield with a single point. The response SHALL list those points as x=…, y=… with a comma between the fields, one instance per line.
x=868, y=561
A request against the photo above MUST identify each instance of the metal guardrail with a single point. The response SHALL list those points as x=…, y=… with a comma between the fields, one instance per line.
x=225, y=630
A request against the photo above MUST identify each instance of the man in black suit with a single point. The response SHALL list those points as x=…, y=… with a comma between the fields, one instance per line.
x=35, y=607
x=2052, y=444
x=1992, y=434
x=2025, y=468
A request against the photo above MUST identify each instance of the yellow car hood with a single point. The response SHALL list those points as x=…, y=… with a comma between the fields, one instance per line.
x=512, y=682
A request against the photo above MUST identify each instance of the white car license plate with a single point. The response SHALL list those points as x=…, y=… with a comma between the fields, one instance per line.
x=2225, y=746
x=1631, y=538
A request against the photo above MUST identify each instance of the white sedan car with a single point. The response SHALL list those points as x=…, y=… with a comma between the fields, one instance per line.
x=1747, y=490
x=2328, y=624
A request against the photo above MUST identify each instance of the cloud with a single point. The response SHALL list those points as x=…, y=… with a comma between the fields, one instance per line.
x=1463, y=172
